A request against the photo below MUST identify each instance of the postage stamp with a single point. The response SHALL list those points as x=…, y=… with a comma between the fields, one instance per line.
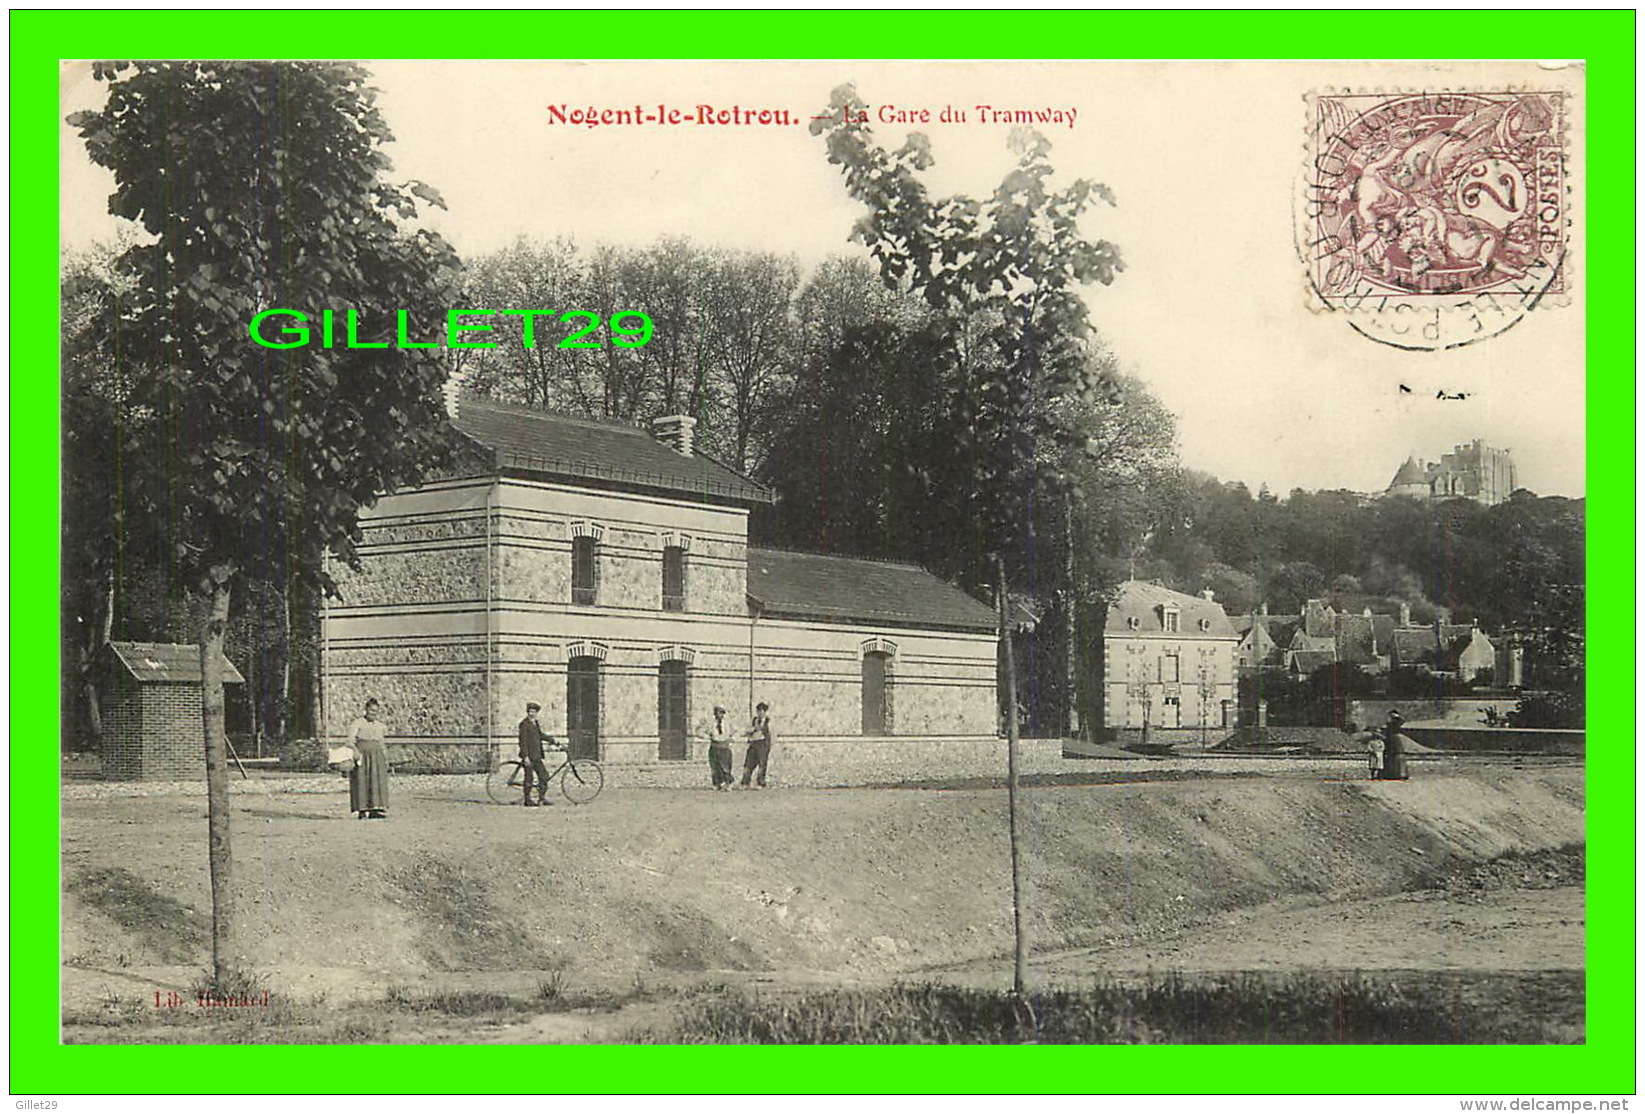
x=1435, y=220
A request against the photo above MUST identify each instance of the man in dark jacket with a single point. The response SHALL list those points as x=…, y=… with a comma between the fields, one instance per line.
x=531, y=755
x=759, y=745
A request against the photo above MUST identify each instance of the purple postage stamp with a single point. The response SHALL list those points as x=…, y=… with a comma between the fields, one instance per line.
x=1435, y=220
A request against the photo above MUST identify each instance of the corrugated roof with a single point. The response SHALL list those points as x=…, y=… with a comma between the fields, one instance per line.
x=1145, y=602
x=607, y=452
x=819, y=586
x=167, y=662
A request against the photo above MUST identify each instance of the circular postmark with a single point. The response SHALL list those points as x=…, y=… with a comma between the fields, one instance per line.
x=1434, y=220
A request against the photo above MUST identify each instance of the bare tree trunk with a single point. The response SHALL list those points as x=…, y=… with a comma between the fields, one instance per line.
x=212, y=636
x=254, y=678
x=1070, y=712
x=92, y=653
x=282, y=714
x=1019, y=965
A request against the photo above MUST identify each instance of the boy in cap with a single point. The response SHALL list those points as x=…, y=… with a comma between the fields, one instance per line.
x=531, y=755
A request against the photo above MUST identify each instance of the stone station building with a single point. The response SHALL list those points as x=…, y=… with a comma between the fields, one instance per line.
x=606, y=574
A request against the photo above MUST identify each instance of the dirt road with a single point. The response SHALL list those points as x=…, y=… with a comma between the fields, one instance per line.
x=1299, y=866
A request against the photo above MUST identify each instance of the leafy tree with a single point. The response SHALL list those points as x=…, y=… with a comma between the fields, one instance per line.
x=97, y=534
x=1008, y=268
x=749, y=333
x=261, y=186
x=1293, y=584
x=526, y=275
x=862, y=463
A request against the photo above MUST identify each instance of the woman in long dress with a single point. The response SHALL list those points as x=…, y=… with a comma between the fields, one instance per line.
x=368, y=781
x=1393, y=754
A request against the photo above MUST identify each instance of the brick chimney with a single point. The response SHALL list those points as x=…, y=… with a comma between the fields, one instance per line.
x=1208, y=595
x=676, y=431
x=1404, y=614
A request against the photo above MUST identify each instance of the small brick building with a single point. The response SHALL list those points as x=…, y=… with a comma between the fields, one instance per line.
x=152, y=724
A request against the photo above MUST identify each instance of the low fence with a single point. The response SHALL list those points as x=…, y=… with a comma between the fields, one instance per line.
x=1457, y=711
x=1514, y=740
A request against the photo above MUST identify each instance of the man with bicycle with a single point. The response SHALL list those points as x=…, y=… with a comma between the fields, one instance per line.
x=531, y=755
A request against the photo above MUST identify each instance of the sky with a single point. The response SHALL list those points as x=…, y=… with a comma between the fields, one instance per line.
x=1213, y=311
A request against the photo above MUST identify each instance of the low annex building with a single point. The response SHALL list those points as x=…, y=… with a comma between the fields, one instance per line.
x=606, y=574
x=153, y=727
x=1168, y=663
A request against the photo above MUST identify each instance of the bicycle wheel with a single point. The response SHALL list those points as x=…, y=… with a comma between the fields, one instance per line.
x=582, y=780
x=506, y=783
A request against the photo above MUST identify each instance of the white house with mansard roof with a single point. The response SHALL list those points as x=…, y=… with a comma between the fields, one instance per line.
x=1168, y=664
x=605, y=573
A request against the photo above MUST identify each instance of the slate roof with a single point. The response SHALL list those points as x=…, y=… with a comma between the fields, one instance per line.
x=1318, y=619
x=1306, y=661
x=1282, y=628
x=1145, y=602
x=610, y=453
x=1383, y=627
x=1279, y=627
x=1409, y=473
x=167, y=662
x=1413, y=644
x=819, y=586
x=1356, y=635
x=1315, y=644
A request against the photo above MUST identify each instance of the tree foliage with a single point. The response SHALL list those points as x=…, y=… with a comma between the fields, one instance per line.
x=261, y=185
x=1004, y=274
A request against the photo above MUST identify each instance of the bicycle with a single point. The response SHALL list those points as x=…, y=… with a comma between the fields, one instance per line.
x=581, y=780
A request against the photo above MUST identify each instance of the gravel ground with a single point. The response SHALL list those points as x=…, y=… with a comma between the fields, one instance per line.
x=871, y=764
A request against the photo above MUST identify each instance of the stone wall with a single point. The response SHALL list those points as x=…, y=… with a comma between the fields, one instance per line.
x=454, y=675
x=536, y=522
x=939, y=684
x=410, y=629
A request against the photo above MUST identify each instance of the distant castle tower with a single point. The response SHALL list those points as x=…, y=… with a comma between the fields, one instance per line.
x=1474, y=471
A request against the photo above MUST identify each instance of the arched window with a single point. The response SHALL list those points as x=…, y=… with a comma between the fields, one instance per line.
x=582, y=706
x=674, y=578
x=878, y=656
x=585, y=563
x=673, y=708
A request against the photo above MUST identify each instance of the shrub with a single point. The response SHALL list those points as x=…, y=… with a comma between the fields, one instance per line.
x=1550, y=710
x=1244, y=1009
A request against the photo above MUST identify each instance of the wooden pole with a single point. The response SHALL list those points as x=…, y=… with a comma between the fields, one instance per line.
x=220, y=857
x=1019, y=918
x=1070, y=713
